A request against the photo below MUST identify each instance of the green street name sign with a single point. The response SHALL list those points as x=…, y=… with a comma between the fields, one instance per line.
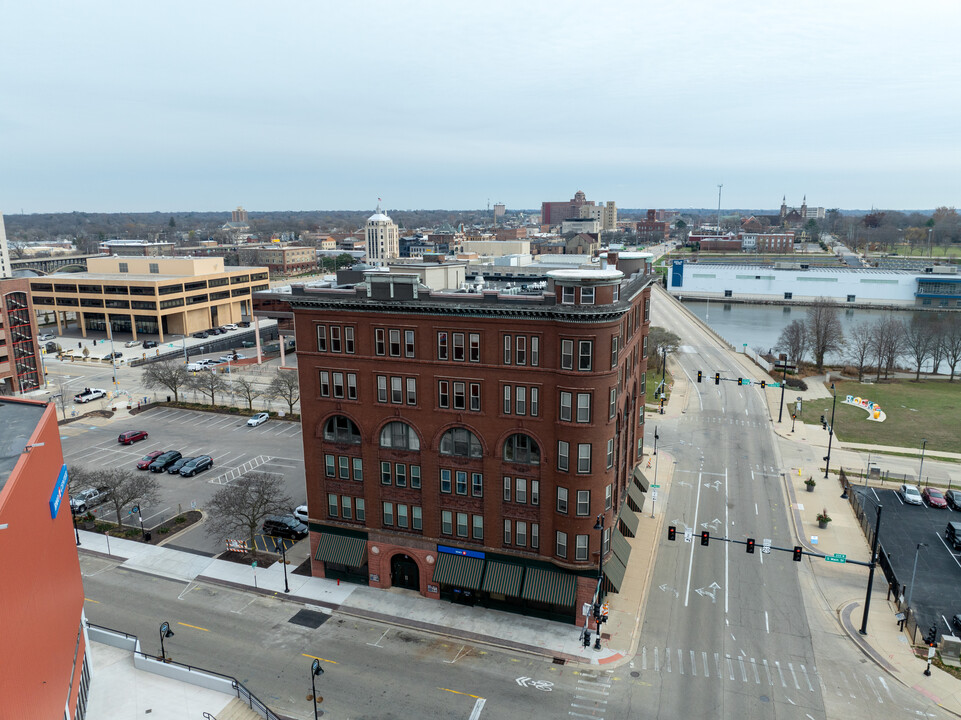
x=655, y=486
x=837, y=557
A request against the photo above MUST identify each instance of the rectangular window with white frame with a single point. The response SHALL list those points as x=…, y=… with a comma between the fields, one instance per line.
x=520, y=350
x=351, y=386
x=360, y=512
x=535, y=492
x=560, y=548
x=460, y=395
x=567, y=295
x=474, y=347
x=380, y=342
x=580, y=547
x=535, y=536
x=567, y=399
x=394, y=343
x=381, y=388
x=610, y=453
x=446, y=522
x=507, y=488
x=508, y=357
x=583, y=502
x=388, y=513
x=567, y=354
x=535, y=351
x=583, y=458
x=587, y=296
x=563, y=455
x=443, y=394
x=335, y=345
x=520, y=490
x=585, y=355
x=535, y=401
x=408, y=343
x=583, y=407
x=411, y=391
x=349, y=339
x=442, y=346
x=562, y=500
x=396, y=390
x=462, y=525
x=321, y=338
x=475, y=397
x=608, y=496
x=520, y=533
x=507, y=532
x=520, y=400
x=477, y=527
x=612, y=403
x=324, y=383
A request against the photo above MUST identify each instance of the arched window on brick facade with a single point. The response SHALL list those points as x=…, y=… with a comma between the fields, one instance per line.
x=460, y=442
x=399, y=436
x=521, y=448
x=340, y=429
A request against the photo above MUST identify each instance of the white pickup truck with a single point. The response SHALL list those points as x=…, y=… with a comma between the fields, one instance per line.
x=89, y=394
x=88, y=498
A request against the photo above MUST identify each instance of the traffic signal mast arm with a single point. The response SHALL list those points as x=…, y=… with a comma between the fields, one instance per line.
x=739, y=381
x=672, y=531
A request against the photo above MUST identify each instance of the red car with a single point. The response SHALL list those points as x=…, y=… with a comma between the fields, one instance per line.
x=148, y=458
x=129, y=437
x=934, y=498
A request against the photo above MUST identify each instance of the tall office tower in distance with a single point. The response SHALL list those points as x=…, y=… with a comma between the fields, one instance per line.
x=383, y=238
x=5, y=270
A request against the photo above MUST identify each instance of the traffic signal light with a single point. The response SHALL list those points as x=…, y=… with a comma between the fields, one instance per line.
x=705, y=538
x=824, y=423
x=587, y=638
x=717, y=378
x=932, y=637
x=763, y=384
x=671, y=532
x=797, y=553
x=699, y=376
x=750, y=545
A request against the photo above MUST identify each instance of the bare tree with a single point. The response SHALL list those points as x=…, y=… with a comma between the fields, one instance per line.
x=247, y=389
x=241, y=507
x=824, y=330
x=167, y=375
x=860, y=342
x=918, y=335
x=887, y=345
x=793, y=341
x=123, y=487
x=209, y=383
x=951, y=340
x=938, y=327
x=659, y=341
x=285, y=386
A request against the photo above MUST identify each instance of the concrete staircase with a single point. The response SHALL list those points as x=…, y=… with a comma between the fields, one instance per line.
x=237, y=710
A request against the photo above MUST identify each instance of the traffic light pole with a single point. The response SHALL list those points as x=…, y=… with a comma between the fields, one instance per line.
x=706, y=538
x=780, y=411
x=874, y=557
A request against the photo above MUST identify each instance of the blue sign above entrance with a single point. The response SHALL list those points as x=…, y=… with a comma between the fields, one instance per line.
x=58, y=490
x=458, y=551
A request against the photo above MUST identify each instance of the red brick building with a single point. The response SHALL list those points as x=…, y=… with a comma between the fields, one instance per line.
x=465, y=445
x=554, y=213
x=43, y=642
x=652, y=228
x=19, y=354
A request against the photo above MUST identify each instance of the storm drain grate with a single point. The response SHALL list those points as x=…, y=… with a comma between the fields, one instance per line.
x=559, y=661
x=309, y=618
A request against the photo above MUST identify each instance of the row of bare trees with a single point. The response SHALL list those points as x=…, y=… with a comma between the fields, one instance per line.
x=174, y=377
x=880, y=344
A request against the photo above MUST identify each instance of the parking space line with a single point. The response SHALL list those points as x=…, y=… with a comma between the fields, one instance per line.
x=950, y=552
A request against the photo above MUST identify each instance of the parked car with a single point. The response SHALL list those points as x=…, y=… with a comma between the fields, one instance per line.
x=131, y=343
x=953, y=498
x=88, y=498
x=934, y=498
x=112, y=355
x=215, y=331
x=89, y=394
x=201, y=365
x=952, y=533
x=196, y=465
x=284, y=526
x=244, y=323
x=956, y=622
x=175, y=468
x=911, y=495
x=230, y=326
x=232, y=358
x=43, y=337
x=147, y=344
x=129, y=437
x=162, y=462
x=51, y=347
x=202, y=334
x=144, y=462
x=300, y=512
x=258, y=419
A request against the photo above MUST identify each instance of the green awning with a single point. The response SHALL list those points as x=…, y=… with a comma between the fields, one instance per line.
x=550, y=587
x=459, y=571
x=636, y=496
x=503, y=578
x=614, y=571
x=640, y=480
x=627, y=516
x=341, y=549
x=620, y=546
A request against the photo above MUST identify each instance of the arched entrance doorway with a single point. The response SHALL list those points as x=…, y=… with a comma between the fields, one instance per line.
x=404, y=572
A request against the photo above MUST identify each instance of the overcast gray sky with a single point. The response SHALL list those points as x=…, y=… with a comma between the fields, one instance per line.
x=204, y=105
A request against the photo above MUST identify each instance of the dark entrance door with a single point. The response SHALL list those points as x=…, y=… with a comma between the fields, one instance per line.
x=404, y=572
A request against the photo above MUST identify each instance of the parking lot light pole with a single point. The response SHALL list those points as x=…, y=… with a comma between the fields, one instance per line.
x=827, y=459
x=874, y=562
x=914, y=570
x=315, y=671
x=165, y=632
x=924, y=441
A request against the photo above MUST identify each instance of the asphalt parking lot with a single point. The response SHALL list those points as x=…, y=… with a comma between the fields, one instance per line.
x=935, y=597
x=274, y=447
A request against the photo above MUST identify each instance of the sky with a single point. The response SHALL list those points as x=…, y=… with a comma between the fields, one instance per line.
x=320, y=105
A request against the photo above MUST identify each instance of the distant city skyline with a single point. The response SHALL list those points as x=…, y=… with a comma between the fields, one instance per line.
x=186, y=106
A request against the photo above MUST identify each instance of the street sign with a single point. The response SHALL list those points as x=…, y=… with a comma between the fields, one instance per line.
x=837, y=557
x=766, y=545
x=655, y=486
x=653, y=495
x=688, y=534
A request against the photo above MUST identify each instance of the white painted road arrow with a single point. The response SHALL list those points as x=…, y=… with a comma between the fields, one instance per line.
x=710, y=591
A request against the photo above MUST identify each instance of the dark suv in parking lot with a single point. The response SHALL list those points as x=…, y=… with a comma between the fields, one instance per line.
x=164, y=461
x=196, y=465
x=284, y=526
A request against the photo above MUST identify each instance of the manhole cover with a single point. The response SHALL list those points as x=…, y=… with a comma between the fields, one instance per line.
x=309, y=618
x=635, y=674
x=765, y=698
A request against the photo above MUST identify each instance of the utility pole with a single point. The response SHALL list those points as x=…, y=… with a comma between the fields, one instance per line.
x=719, y=208
x=874, y=562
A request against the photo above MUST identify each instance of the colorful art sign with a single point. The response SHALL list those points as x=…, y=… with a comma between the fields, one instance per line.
x=874, y=411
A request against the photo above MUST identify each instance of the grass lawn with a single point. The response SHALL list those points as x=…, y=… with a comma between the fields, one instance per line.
x=922, y=251
x=928, y=409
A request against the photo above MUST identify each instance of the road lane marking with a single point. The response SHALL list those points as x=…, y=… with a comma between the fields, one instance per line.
x=595, y=700
x=644, y=658
x=740, y=659
x=667, y=658
x=599, y=692
x=693, y=664
x=478, y=706
x=730, y=666
x=777, y=664
x=656, y=666
x=806, y=678
x=886, y=688
x=766, y=625
x=717, y=665
x=727, y=546
x=377, y=644
x=690, y=566
x=767, y=671
x=757, y=678
x=86, y=599
x=195, y=627
x=873, y=689
x=332, y=662
x=707, y=673
x=945, y=545
x=456, y=692
x=791, y=668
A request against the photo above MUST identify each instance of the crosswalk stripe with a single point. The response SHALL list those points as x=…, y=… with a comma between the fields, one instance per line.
x=667, y=658
x=693, y=665
x=707, y=673
x=717, y=665
x=793, y=676
x=656, y=667
x=730, y=667
x=767, y=671
x=740, y=659
x=873, y=689
x=807, y=679
x=777, y=664
x=680, y=662
x=757, y=679
x=644, y=658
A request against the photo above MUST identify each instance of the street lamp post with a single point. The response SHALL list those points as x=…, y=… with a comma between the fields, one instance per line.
x=315, y=671
x=599, y=525
x=76, y=530
x=283, y=552
x=827, y=459
x=924, y=442
x=914, y=570
x=874, y=562
x=165, y=632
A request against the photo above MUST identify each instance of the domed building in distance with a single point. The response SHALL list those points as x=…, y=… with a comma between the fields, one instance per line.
x=383, y=238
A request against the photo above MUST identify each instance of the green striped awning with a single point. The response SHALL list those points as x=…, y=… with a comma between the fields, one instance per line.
x=627, y=516
x=503, y=578
x=640, y=480
x=459, y=571
x=551, y=587
x=614, y=571
x=636, y=496
x=341, y=549
x=620, y=546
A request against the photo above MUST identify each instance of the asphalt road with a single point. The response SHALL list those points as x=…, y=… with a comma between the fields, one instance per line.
x=274, y=447
x=935, y=597
x=371, y=671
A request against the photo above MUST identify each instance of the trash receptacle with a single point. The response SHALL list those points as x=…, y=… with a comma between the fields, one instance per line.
x=168, y=398
x=146, y=537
